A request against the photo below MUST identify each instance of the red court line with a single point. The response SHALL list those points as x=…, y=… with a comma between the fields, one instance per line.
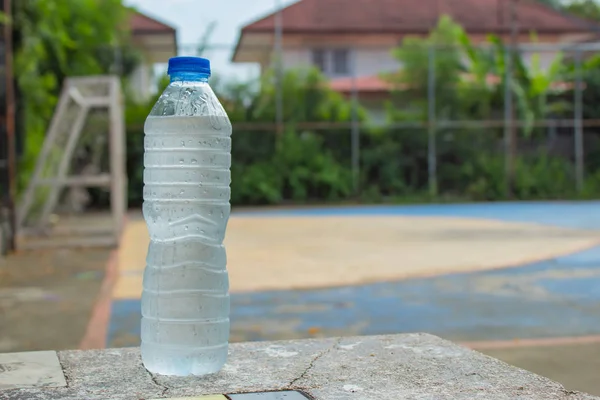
x=97, y=328
x=516, y=343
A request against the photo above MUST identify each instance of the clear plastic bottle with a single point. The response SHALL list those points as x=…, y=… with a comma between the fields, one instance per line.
x=187, y=160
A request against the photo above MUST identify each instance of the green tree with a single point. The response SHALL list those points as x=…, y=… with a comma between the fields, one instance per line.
x=411, y=82
x=57, y=39
x=532, y=86
x=552, y=3
x=469, y=85
x=587, y=9
x=305, y=163
x=407, y=171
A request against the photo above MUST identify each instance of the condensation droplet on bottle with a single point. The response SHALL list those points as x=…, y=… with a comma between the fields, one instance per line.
x=181, y=191
x=183, y=143
x=186, y=227
x=194, y=161
x=222, y=214
x=181, y=161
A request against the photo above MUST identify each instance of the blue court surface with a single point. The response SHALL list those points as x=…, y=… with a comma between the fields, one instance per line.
x=553, y=298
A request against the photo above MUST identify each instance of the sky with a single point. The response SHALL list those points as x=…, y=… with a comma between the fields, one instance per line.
x=191, y=17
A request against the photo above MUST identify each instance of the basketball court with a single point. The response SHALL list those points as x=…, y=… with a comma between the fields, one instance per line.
x=468, y=272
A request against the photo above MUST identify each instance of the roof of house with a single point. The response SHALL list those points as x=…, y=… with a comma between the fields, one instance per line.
x=143, y=24
x=417, y=16
x=157, y=40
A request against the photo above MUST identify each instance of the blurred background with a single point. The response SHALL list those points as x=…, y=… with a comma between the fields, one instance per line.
x=397, y=167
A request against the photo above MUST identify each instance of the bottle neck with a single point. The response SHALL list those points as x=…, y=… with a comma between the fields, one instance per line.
x=189, y=77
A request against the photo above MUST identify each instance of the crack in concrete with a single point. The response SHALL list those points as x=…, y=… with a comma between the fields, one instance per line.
x=313, y=361
x=570, y=393
x=63, y=369
x=155, y=381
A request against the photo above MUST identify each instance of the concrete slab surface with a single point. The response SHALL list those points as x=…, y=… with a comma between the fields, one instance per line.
x=30, y=369
x=411, y=366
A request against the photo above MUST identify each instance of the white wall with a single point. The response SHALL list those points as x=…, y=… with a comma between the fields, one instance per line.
x=296, y=58
x=545, y=58
x=373, y=61
x=368, y=61
x=140, y=82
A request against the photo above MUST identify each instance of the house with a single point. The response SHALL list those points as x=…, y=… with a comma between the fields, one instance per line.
x=351, y=40
x=157, y=43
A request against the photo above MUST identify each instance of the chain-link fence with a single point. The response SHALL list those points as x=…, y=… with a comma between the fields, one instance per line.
x=481, y=122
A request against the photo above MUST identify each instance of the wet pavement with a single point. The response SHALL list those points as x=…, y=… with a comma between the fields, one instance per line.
x=47, y=297
x=575, y=366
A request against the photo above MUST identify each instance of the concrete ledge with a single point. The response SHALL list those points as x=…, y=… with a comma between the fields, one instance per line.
x=414, y=366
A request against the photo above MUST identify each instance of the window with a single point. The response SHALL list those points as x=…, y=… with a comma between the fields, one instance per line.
x=340, y=62
x=318, y=56
x=333, y=62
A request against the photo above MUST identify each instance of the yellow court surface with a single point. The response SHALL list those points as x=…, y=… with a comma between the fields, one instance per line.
x=290, y=252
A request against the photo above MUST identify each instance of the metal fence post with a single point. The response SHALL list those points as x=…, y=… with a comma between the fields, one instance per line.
x=10, y=124
x=508, y=123
x=279, y=68
x=578, y=125
x=355, y=129
x=431, y=117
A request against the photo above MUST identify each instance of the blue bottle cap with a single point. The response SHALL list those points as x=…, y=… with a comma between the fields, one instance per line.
x=189, y=64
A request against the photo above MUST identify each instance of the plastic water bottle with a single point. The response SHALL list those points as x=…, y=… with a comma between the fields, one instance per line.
x=187, y=160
